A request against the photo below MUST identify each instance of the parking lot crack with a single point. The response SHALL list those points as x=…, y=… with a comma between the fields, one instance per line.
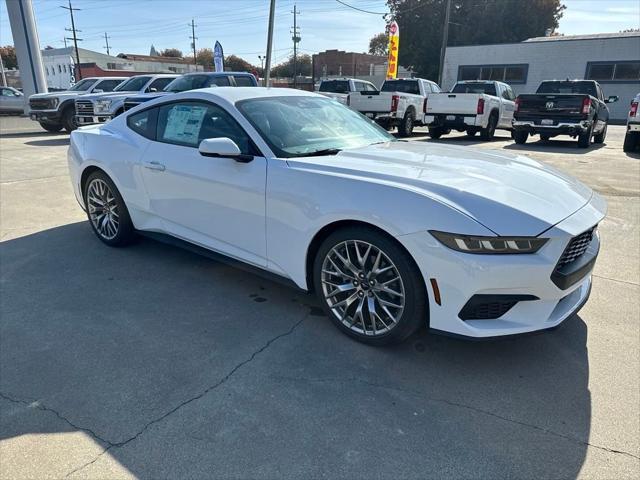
x=192, y=399
x=467, y=407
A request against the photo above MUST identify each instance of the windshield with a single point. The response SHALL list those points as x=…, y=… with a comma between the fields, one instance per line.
x=134, y=84
x=191, y=82
x=299, y=126
x=405, y=86
x=475, y=87
x=83, y=85
x=585, y=88
x=335, y=86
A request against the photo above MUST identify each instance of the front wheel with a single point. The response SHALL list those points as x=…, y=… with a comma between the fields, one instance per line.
x=369, y=286
x=107, y=212
x=520, y=137
x=69, y=119
x=405, y=128
x=51, y=127
x=436, y=132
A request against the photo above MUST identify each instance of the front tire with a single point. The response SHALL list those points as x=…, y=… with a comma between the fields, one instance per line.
x=107, y=212
x=51, y=127
x=69, y=119
x=436, y=132
x=405, y=128
x=369, y=286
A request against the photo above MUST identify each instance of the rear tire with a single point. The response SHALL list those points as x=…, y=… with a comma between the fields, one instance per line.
x=471, y=133
x=374, y=308
x=599, y=138
x=488, y=133
x=436, y=132
x=544, y=138
x=405, y=128
x=520, y=136
x=631, y=140
x=107, y=213
x=69, y=119
x=584, y=139
x=51, y=127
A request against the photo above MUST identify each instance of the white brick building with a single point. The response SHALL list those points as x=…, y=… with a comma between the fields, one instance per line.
x=613, y=59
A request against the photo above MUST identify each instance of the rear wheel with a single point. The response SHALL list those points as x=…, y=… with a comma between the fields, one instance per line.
x=489, y=132
x=107, y=212
x=369, y=286
x=584, y=139
x=544, y=138
x=405, y=128
x=599, y=138
x=51, y=127
x=631, y=140
x=520, y=136
x=436, y=132
x=471, y=133
x=69, y=119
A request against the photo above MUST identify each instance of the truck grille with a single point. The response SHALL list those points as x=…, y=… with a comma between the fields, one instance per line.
x=40, y=103
x=576, y=248
x=84, y=107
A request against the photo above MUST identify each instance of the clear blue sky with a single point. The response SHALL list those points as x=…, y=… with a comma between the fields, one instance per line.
x=241, y=25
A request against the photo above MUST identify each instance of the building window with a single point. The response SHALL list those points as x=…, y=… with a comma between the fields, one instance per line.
x=47, y=69
x=64, y=67
x=516, y=73
x=622, y=71
x=59, y=68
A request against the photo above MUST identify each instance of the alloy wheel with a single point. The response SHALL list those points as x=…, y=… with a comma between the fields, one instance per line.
x=363, y=287
x=103, y=209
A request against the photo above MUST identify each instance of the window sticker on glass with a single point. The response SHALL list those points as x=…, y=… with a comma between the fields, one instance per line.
x=183, y=124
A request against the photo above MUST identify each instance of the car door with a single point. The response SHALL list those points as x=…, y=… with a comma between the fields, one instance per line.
x=507, y=105
x=158, y=84
x=10, y=101
x=215, y=202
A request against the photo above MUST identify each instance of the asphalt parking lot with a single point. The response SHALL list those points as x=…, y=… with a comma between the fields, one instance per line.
x=152, y=362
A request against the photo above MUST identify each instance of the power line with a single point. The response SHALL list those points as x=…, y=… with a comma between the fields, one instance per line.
x=360, y=9
x=75, y=38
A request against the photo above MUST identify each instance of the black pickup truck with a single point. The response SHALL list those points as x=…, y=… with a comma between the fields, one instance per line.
x=567, y=107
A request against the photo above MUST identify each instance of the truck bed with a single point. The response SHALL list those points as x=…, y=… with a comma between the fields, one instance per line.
x=453, y=103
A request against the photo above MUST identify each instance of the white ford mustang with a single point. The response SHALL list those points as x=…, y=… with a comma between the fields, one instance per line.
x=391, y=235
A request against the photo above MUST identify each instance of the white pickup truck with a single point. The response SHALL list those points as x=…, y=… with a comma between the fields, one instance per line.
x=471, y=106
x=400, y=103
x=340, y=88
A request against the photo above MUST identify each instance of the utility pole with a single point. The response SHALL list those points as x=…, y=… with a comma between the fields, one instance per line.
x=445, y=39
x=193, y=41
x=75, y=38
x=106, y=41
x=272, y=14
x=296, y=39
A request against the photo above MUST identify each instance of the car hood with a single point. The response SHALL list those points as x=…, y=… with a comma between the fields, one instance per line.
x=61, y=95
x=109, y=95
x=509, y=194
x=148, y=96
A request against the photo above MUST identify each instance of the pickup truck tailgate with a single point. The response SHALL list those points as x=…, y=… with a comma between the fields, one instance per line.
x=371, y=102
x=549, y=105
x=454, y=103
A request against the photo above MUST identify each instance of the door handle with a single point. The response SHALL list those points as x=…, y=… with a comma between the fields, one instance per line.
x=154, y=166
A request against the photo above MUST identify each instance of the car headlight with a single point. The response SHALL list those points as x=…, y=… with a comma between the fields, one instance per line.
x=53, y=102
x=102, y=105
x=489, y=245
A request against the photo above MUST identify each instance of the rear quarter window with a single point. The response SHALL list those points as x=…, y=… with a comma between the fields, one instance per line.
x=244, y=81
x=144, y=123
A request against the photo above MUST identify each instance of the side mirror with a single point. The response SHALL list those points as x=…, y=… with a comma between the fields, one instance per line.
x=612, y=99
x=223, y=147
x=153, y=89
x=98, y=90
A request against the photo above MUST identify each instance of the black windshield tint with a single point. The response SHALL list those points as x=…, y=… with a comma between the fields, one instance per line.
x=585, y=88
x=335, y=86
x=134, y=84
x=83, y=85
x=188, y=82
x=475, y=87
x=404, y=86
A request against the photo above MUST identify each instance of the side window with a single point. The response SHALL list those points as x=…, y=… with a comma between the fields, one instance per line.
x=370, y=88
x=160, y=83
x=108, y=85
x=188, y=123
x=219, y=81
x=8, y=93
x=359, y=86
x=435, y=88
x=144, y=123
x=243, y=81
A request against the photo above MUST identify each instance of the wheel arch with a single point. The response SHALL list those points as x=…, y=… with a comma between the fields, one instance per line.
x=84, y=176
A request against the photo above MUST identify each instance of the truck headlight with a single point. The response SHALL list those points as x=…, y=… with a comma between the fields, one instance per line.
x=489, y=245
x=53, y=102
x=102, y=105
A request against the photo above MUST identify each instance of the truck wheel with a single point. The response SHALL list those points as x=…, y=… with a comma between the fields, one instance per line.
x=406, y=124
x=584, y=139
x=520, y=136
x=544, y=138
x=631, y=140
x=51, y=127
x=489, y=132
x=471, y=133
x=599, y=138
x=386, y=124
x=435, y=132
x=69, y=119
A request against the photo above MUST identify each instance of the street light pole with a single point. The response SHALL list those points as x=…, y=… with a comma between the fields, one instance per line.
x=445, y=39
x=272, y=14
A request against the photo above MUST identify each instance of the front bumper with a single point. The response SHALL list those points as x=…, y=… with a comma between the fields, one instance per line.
x=542, y=304
x=558, y=128
x=45, y=116
x=92, y=119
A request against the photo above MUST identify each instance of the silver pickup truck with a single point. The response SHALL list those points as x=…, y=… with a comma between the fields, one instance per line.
x=102, y=107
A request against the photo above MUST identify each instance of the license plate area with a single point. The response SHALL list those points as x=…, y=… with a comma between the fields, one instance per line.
x=546, y=121
x=451, y=118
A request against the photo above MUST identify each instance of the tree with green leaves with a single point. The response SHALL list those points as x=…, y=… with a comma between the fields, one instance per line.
x=233, y=63
x=285, y=69
x=379, y=44
x=171, y=52
x=472, y=22
x=204, y=56
x=9, y=60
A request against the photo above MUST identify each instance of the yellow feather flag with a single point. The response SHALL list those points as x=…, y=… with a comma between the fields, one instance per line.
x=394, y=45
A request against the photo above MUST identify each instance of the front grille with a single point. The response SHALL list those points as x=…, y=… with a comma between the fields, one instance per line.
x=84, y=107
x=40, y=103
x=489, y=307
x=576, y=248
x=129, y=104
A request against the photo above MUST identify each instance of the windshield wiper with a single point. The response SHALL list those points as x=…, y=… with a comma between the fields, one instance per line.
x=324, y=151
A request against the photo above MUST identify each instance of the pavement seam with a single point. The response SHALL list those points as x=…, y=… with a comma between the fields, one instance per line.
x=468, y=407
x=195, y=397
x=616, y=280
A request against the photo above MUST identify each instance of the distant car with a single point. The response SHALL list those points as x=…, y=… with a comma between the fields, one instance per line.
x=399, y=103
x=632, y=137
x=57, y=110
x=192, y=81
x=577, y=108
x=340, y=88
x=11, y=100
x=471, y=106
x=102, y=107
x=390, y=235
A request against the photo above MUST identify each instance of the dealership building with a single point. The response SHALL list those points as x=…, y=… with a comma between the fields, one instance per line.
x=613, y=59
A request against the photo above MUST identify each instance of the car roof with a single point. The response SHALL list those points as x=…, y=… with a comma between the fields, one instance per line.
x=236, y=94
x=105, y=78
x=217, y=74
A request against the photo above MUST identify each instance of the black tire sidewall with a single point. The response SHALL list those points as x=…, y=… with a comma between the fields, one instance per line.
x=406, y=125
x=520, y=137
x=489, y=132
x=51, y=127
x=68, y=119
x=126, y=232
x=416, y=300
